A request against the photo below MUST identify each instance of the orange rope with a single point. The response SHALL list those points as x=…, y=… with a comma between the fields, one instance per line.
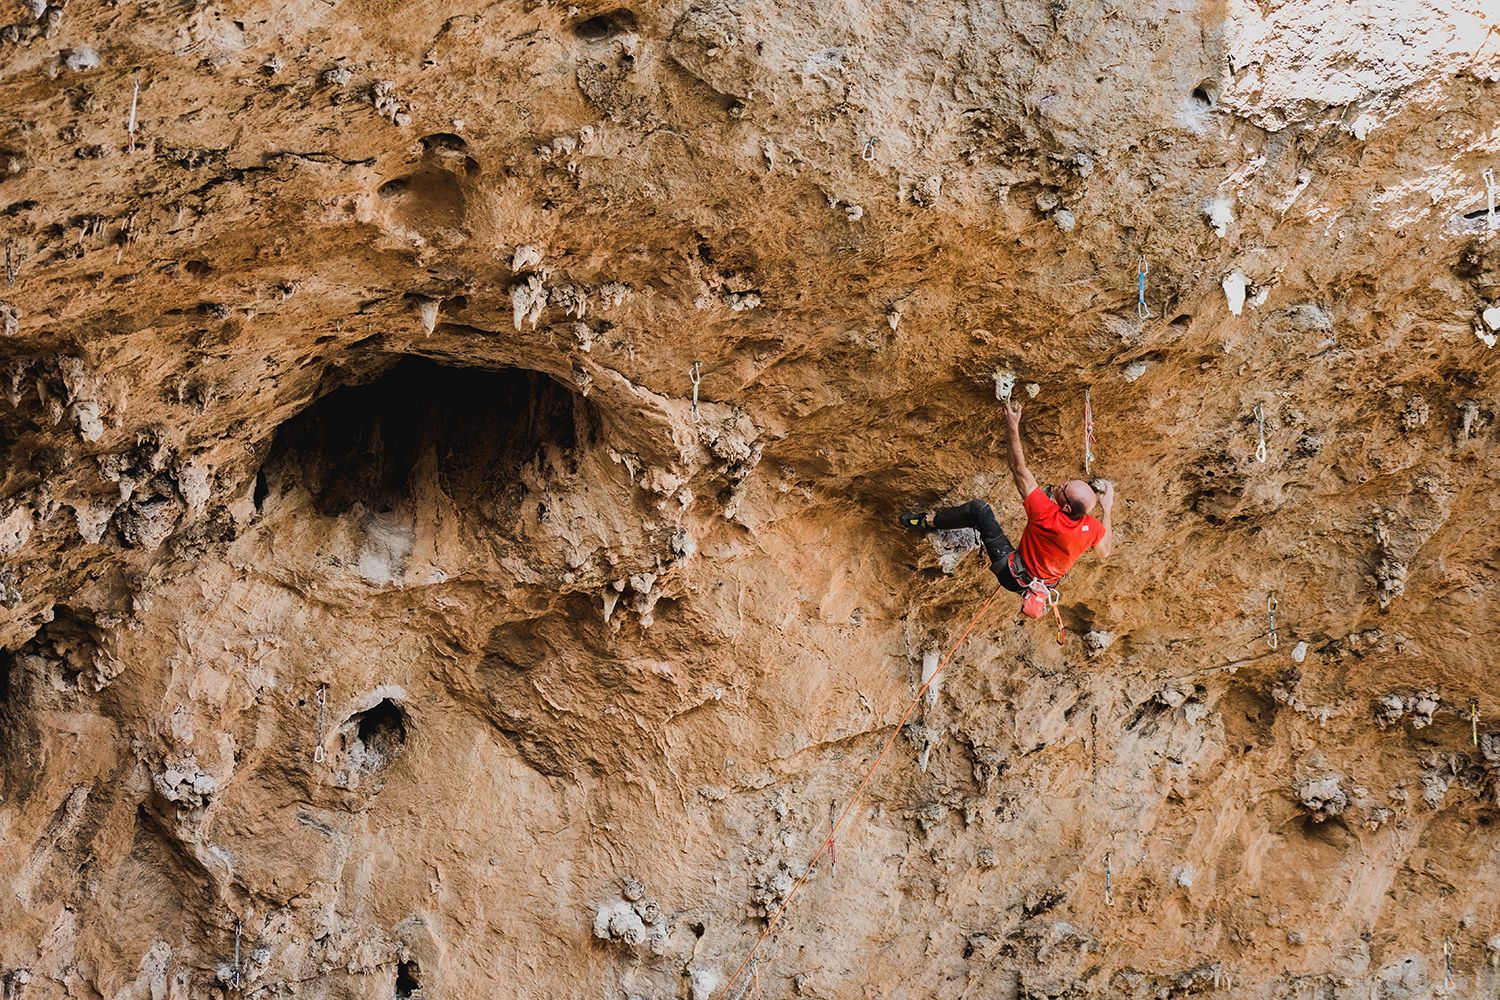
x=858, y=792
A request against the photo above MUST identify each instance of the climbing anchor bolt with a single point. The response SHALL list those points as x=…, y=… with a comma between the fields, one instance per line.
x=1272, y=640
x=1260, y=430
x=695, y=373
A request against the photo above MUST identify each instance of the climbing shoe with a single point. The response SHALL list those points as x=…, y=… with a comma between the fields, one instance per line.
x=915, y=520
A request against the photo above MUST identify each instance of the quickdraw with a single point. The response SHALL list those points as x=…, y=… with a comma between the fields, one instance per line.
x=1088, y=431
x=238, y=929
x=695, y=373
x=1142, y=269
x=1109, y=881
x=869, y=151
x=1094, y=748
x=135, y=98
x=1272, y=640
x=1474, y=720
x=1260, y=430
x=322, y=710
x=833, y=861
x=1448, y=963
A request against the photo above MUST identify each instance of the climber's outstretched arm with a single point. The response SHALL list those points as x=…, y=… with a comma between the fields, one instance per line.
x=1106, y=543
x=1016, y=457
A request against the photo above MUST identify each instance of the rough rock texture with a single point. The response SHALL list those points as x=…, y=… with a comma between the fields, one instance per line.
x=385, y=612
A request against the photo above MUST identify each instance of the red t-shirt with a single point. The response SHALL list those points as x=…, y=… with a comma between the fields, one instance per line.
x=1053, y=541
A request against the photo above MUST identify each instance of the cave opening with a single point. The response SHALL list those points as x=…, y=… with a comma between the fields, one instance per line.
x=603, y=27
x=474, y=428
x=408, y=986
x=378, y=735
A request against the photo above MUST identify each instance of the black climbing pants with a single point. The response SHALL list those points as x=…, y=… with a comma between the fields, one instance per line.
x=977, y=514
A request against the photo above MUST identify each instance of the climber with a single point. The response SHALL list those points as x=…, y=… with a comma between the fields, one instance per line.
x=1059, y=525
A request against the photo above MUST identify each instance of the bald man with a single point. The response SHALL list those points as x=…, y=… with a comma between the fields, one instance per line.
x=1059, y=525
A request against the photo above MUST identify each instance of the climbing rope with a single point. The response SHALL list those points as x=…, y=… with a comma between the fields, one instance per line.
x=1088, y=432
x=322, y=710
x=1272, y=640
x=1142, y=268
x=749, y=961
x=695, y=373
x=869, y=151
x=1490, y=190
x=1474, y=720
x=135, y=98
x=1260, y=430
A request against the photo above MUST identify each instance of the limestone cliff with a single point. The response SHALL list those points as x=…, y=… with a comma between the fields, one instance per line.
x=450, y=463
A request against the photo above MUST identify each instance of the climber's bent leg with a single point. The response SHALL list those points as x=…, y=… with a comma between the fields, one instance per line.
x=977, y=514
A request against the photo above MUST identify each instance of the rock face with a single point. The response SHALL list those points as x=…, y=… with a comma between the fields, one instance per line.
x=450, y=463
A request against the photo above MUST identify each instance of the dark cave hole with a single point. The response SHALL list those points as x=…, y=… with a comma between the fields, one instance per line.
x=603, y=27
x=262, y=490
x=408, y=985
x=1477, y=215
x=473, y=429
x=379, y=735
x=1181, y=322
x=1203, y=96
x=443, y=141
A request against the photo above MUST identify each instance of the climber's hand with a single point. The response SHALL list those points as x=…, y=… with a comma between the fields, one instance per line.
x=1013, y=412
x=1106, y=495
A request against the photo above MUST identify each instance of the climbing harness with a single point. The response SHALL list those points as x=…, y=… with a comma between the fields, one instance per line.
x=1490, y=190
x=1272, y=640
x=1474, y=720
x=1088, y=431
x=1260, y=430
x=1037, y=601
x=749, y=961
x=1447, y=963
x=322, y=709
x=1109, y=881
x=238, y=928
x=696, y=374
x=1038, y=598
x=1142, y=269
x=135, y=98
x=869, y=150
